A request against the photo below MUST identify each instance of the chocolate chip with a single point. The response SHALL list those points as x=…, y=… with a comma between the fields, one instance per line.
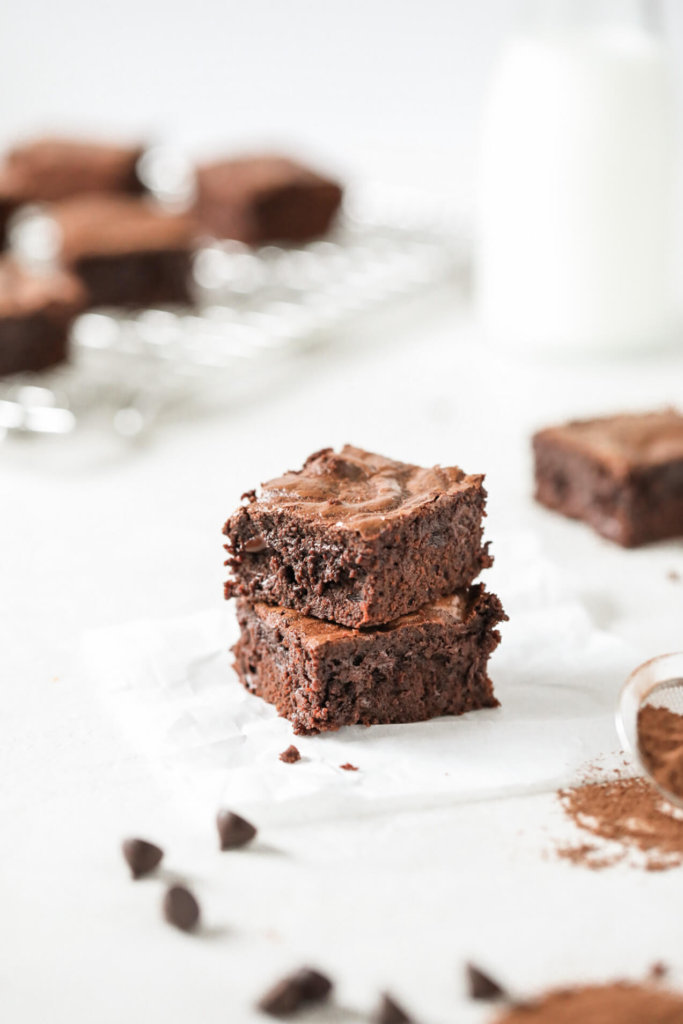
x=292, y=992
x=141, y=856
x=348, y=767
x=181, y=908
x=254, y=545
x=389, y=1012
x=291, y=755
x=481, y=986
x=283, y=998
x=315, y=986
x=233, y=830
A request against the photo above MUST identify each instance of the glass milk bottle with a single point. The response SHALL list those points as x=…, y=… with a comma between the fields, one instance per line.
x=576, y=215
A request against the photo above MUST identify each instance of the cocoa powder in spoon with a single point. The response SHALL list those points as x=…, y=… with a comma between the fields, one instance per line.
x=660, y=739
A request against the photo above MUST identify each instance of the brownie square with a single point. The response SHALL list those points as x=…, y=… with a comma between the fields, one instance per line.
x=357, y=538
x=621, y=474
x=322, y=676
x=264, y=199
x=126, y=251
x=36, y=311
x=50, y=169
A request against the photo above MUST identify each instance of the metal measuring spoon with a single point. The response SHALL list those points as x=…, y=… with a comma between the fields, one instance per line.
x=657, y=683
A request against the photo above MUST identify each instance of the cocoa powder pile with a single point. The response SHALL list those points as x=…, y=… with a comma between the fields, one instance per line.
x=630, y=821
x=618, y=1003
x=660, y=739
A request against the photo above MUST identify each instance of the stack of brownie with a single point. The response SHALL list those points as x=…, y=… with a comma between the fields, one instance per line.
x=355, y=594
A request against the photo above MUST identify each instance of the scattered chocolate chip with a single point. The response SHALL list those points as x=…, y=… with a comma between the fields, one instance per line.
x=659, y=970
x=292, y=992
x=348, y=767
x=389, y=1012
x=141, y=856
x=233, y=830
x=249, y=496
x=291, y=755
x=254, y=545
x=315, y=986
x=181, y=908
x=481, y=986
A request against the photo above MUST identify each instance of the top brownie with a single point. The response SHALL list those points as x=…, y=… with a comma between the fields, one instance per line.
x=357, y=538
x=265, y=199
x=50, y=169
x=622, y=474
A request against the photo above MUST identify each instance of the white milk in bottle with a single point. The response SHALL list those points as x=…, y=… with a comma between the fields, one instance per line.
x=575, y=245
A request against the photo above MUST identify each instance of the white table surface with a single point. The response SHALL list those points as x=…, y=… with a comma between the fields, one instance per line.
x=394, y=901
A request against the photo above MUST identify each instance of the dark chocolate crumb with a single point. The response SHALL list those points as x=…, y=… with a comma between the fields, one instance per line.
x=181, y=908
x=291, y=755
x=481, y=986
x=348, y=767
x=288, y=995
x=254, y=545
x=141, y=856
x=659, y=970
x=390, y=1012
x=249, y=496
x=233, y=831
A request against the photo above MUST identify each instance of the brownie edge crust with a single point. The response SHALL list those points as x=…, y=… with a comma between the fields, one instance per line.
x=322, y=676
x=358, y=539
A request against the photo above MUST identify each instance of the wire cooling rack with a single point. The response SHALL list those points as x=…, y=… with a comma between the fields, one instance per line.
x=255, y=308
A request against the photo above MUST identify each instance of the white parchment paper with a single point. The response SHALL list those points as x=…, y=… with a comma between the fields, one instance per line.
x=170, y=686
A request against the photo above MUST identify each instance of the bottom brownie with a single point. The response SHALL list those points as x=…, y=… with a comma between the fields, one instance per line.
x=322, y=676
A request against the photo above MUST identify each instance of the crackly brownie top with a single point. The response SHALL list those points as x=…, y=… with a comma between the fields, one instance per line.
x=460, y=607
x=25, y=293
x=360, y=490
x=625, y=441
x=106, y=225
x=256, y=175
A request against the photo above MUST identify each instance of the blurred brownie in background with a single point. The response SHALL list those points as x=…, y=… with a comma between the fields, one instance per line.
x=126, y=251
x=265, y=199
x=623, y=475
x=50, y=169
x=54, y=168
x=36, y=311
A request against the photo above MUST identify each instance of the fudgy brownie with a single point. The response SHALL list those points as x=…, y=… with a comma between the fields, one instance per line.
x=357, y=538
x=127, y=252
x=621, y=474
x=322, y=676
x=50, y=169
x=265, y=198
x=36, y=311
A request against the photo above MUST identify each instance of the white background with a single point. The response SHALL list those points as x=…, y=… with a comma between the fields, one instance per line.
x=93, y=535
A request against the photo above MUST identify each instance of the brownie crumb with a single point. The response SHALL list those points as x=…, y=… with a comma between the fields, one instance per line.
x=142, y=857
x=181, y=908
x=233, y=830
x=482, y=986
x=289, y=994
x=348, y=767
x=620, y=1003
x=659, y=970
x=291, y=755
x=390, y=1012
